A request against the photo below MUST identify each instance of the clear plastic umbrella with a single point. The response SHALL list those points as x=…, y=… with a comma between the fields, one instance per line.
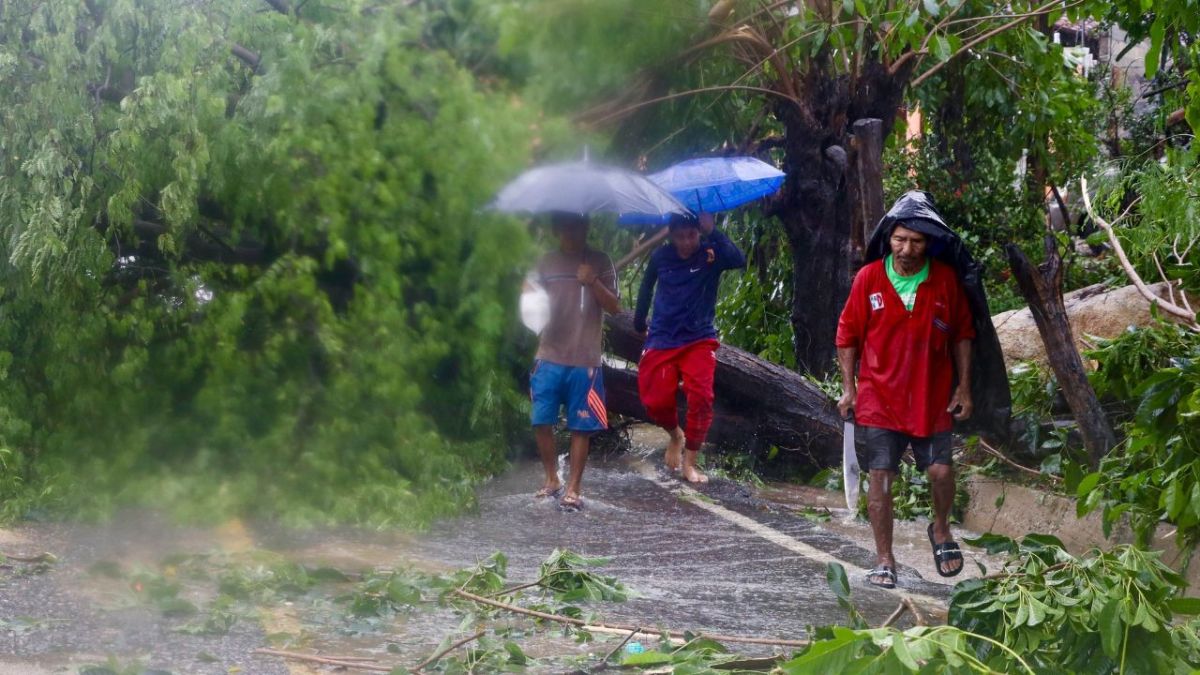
x=583, y=188
x=586, y=188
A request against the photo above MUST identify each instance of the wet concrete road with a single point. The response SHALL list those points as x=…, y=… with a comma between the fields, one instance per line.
x=733, y=561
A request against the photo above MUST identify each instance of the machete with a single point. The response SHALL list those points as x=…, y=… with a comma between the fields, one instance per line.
x=850, y=469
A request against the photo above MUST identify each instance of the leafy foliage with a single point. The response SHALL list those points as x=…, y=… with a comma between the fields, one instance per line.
x=754, y=307
x=1107, y=612
x=261, y=288
x=1155, y=476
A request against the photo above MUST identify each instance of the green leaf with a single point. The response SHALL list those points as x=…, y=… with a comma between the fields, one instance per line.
x=931, y=7
x=649, y=658
x=1111, y=626
x=835, y=574
x=900, y=649
x=1087, y=484
x=1171, y=500
x=1188, y=606
x=827, y=656
x=1041, y=542
x=1154, y=54
x=941, y=48
x=515, y=655
x=993, y=543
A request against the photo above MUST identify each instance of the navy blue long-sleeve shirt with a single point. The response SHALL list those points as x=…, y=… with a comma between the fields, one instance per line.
x=685, y=302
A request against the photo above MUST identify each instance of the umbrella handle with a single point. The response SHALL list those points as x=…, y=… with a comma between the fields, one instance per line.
x=582, y=296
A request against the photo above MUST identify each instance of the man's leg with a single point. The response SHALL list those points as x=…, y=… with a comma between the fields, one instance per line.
x=697, y=366
x=544, y=435
x=587, y=414
x=546, y=394
x=658, y=382
x=884, y=448
x=941, y=481
x=879, y=508
x=580, y=443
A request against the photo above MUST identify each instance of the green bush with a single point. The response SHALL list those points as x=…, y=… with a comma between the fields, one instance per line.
x=266, y=290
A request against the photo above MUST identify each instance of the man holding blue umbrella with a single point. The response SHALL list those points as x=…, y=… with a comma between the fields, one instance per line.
x=681, y=340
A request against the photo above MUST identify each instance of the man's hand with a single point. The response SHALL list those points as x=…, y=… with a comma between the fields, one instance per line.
x=847, y=401
x=707, y=223
x=586, y=275
x=961, y=402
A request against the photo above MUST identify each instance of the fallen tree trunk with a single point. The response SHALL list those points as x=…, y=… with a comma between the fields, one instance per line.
x=758, y=403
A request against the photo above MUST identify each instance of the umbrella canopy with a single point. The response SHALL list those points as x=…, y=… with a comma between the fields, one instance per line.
x=585, y=188
x=916, y=211
x=715, y=184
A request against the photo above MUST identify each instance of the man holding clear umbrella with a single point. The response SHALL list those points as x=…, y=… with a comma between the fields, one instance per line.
x=581, y=284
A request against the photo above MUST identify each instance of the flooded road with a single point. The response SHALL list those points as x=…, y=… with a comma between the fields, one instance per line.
x=720, y=559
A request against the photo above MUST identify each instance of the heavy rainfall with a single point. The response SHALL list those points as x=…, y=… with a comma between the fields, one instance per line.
x=696, y=336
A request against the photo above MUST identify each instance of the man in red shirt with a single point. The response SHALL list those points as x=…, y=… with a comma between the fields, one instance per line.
x=907, y=330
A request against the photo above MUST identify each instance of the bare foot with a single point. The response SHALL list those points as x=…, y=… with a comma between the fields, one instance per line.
x=690, y=473
x=549, y=489
x=674, y=455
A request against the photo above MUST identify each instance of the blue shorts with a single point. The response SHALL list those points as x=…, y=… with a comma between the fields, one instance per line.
x=552, y=385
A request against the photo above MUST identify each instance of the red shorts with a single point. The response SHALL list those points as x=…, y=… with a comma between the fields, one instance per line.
x=659, y=375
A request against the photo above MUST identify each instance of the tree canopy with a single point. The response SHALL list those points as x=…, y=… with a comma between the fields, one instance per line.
x=244, y=239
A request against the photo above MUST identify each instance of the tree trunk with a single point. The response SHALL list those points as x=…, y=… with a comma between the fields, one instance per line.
x=758, y=403
x=866, y=187
x=1042, y=288
x=817, y=209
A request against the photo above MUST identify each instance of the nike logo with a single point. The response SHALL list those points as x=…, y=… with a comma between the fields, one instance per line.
x=695, y=269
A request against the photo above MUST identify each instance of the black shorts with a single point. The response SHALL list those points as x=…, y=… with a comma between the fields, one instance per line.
x=884, y=448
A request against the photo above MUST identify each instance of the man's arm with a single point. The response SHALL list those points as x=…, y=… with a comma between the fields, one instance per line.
x=729, y=256
x=604, y=295
x=645, y=295
x=961, y=400
x=848, y=362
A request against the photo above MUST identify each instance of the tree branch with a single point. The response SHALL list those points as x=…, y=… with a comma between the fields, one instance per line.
x=340, y=663
x=580, y=623
x=1052, y=6
x=447, y=650
x=1169, y=307
x=691, y=92
x=246, y=56
x=280, y=6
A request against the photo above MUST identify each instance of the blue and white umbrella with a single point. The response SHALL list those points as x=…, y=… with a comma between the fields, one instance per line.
x=714, y=184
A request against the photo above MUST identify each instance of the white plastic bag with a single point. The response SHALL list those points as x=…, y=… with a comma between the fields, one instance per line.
x=535, y=306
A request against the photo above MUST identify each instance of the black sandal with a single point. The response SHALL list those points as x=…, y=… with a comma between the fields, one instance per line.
x=888, y=574
x=945, y=552
x=570, y=504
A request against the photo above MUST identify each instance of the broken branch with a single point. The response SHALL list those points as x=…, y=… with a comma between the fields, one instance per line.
x=623, y=628
x=447, y=650
x=310, y=658
x=1171, y=308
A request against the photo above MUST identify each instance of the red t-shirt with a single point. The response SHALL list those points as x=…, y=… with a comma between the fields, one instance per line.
x=906, y=361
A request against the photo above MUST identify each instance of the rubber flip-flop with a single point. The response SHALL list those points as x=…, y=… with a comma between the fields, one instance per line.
x=944, y=553
x=571, y=504
x=888, y=574
x=544, y=493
